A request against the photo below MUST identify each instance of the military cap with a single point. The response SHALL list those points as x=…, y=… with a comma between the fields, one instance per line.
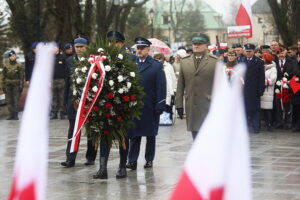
x=67, y=46
x=142, y=42
x=115, y=35
x=265, y=46
x=11, y=52
x=249, y=47
x=199, y=40
x=33, y=45
x=231, y=53
x=280, y=49
x=236, y=45
x=80, y=41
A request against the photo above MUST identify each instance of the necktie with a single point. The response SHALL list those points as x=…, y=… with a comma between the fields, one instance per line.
x=281, y=65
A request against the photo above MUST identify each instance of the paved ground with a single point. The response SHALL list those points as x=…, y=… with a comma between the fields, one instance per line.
x=275, y=166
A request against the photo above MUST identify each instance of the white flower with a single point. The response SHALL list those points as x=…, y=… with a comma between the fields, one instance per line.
x=285, y=86
x=100, y=50
x=84, y=69
x=78, y=80
x=277, y=91
x=132, y=74
x=82, y=59
x=121, y=91
x=95, y=89
x=285, y=74
x=111, y=82
x=128, y=85
x=278, y=83
x=91, y=59
x=297, y=79
x=125, y=89
x=284, y=79
x=74, y=92
x=120, y=78
x=107, y=68
x=94, y=75
x=120, y=56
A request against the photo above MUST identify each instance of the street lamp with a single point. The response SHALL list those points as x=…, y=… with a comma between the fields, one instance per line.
x=151, y=14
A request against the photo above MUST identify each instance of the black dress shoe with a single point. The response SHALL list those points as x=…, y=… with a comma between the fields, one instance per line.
x=131, y=165
x=121, y=173
x=68, y=164
x=149, y=164
x=89, y=162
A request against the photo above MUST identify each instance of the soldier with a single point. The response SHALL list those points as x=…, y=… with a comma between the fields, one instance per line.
x=13, y=81
x=238, y=49
x=195, y=84
x=80, y=46
x=117, y=39
x=153, y=81
x=254, y=86
x=29, y=62
x=58, y=85
x=68, y=50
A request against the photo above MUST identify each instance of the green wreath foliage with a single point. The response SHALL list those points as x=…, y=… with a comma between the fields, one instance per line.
x=120, y=100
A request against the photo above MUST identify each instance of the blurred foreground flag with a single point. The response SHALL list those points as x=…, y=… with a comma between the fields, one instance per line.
x=31, y=162
x=244, y=15
x=218, y=164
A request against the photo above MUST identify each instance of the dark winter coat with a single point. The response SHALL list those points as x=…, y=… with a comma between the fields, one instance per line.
x=59, y=66
x=254, y=83
x=153, y=81
x=29, y=63
x=289, y=67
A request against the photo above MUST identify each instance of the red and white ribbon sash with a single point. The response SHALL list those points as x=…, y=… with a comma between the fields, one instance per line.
x=82, y=113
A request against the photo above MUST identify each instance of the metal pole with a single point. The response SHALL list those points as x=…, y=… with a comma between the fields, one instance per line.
x=152, y=29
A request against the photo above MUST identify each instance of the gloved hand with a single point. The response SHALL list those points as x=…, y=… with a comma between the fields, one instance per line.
x=159, y=112
x=180, y=112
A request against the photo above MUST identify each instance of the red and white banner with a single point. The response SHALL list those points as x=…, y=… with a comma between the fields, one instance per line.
x=223, y=45
x=239, y=31
x=31, y=162
x=218, y=164
x=84, y=110
x=244, y=16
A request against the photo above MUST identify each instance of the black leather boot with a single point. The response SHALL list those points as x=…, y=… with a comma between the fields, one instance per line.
x=10, y=117
x=62, y=115
x=16, y=116
x=102, y=172
x=122, y=173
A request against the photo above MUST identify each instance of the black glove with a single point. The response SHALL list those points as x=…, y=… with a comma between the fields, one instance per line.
x=159, y=112
x=180, y=112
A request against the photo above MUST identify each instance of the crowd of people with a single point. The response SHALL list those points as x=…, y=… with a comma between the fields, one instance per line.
x=272, y=99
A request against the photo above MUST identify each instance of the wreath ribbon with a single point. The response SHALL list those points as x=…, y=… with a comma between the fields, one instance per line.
x=83, y=112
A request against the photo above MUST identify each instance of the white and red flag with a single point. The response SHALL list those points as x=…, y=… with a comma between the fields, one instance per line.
x=31, y=162
x=218, y=164
x=244, y=15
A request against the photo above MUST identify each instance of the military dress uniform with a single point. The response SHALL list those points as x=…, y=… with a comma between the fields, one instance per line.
x=153, y=81
x=71, y=112
x=58, y=86
x=195, y=83
x=13, y=81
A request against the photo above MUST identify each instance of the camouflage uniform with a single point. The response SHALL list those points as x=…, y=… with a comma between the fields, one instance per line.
x=13, y=81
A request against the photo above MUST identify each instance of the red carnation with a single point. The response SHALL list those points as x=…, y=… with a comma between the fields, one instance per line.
x=133, y=98
x=95, y=108
x=107, y=115
x=105, y=132
x=75, y=105
x=126, y=98
x=110, y=95
x=87, y=121
x=119, y=118
x=108, y=106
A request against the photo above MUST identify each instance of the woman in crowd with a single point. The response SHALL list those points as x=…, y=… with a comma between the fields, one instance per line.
x=266, y=101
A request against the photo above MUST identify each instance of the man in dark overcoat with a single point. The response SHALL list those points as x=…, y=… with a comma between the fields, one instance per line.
x=254, y=86
x=153, y=81
x=80, y=46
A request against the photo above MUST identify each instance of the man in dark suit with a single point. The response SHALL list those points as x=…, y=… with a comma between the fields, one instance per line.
x=80, y=46
x=254, y=86
x=29, y=63
x=153, y=81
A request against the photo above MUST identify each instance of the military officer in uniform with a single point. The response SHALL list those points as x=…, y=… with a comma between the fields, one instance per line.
x=68, y=50
x=254, y=86
x=58, y=85
x=153, y=81
x=80, y=46
x=195, y=84
x=13, y=81
x=238, y=49
x=115, y=38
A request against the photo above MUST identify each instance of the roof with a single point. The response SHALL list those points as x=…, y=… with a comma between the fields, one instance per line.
x=261, y=7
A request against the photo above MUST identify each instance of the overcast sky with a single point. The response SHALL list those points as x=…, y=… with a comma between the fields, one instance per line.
x=219, y=4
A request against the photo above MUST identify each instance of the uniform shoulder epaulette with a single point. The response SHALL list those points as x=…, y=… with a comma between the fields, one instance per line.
x=213, y=56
